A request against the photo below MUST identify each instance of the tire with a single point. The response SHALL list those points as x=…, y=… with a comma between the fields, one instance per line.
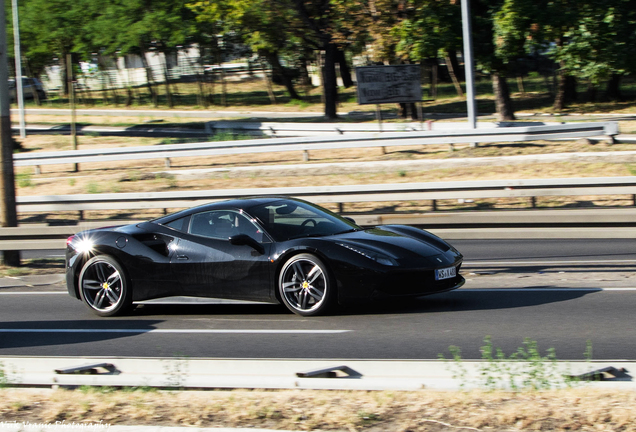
x=305, y=285
x=104, y=287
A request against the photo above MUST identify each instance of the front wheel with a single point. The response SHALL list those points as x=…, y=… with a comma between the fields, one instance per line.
x=103, y=286
x=305, y=286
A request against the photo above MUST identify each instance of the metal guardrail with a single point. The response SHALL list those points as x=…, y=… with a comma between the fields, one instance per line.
x=338, y=194
x=502, y=224
x=383, y=140
x=43, y=237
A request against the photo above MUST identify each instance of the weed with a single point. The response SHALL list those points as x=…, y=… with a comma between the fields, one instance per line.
x=631, y=168
x=71, y=182
x=367, y=417
x=86, y=389
x=3, y=376
x=92, y=188
x=23, y=180
x=92, y=134
x=525, y=369
x=459, y=369
x=402, y=173
x=298, y=103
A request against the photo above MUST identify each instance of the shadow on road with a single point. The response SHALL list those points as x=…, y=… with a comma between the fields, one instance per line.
x=13, y=334
x=469, y=300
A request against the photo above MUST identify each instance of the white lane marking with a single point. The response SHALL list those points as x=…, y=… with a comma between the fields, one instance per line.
x=544, y=289
x=33, y=292
x=495, y=263
x=178, y=331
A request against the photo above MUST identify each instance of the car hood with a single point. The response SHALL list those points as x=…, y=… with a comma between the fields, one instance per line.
x=402, y=247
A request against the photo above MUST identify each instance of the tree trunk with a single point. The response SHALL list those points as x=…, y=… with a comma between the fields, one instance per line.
x=434, y=78
x=345, y=71
x=614, y=88
x=272, y=58
x=149, y=79
x=330, y=87
x=570, y=89
x=505, y=112
x=166, y=79
x=268, y=81
x=559, y=99
x=592, y=92
x=407, y=109
x=520, y=86
x=451, y=72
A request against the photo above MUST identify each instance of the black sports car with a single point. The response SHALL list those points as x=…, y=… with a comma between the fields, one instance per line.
x=270, y=249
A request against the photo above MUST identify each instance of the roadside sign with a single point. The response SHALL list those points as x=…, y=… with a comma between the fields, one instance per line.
x=389, y=84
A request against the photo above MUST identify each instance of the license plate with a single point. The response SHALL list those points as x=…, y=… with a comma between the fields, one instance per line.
x=445, y=273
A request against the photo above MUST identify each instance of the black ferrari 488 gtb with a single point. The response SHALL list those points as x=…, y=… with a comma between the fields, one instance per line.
x=269, y=249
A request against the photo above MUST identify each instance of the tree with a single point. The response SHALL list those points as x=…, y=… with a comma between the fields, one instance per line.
x=320, y=21
x=51, y=29
x=140, y=27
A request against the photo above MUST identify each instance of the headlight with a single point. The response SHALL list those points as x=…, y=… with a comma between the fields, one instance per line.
x=378, y=257
x=80, y=244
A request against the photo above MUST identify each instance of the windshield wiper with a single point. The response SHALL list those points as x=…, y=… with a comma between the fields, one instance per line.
x=309, y=235
x=349, y=231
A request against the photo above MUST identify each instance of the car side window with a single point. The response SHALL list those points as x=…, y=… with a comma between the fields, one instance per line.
x=223, y=224
x=178, y=224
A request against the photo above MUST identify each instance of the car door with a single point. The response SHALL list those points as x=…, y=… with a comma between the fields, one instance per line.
x=206, y=264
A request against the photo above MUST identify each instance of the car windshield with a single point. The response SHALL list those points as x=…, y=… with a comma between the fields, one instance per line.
x=286, y=220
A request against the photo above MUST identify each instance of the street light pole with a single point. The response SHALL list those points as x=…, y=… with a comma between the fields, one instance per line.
x=469, y=64
x=18, y=66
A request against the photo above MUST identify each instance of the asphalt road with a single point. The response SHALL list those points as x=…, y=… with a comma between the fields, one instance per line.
x=558, y=293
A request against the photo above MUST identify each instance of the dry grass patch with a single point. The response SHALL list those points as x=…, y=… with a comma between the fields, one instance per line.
x=564, y=410
x=34, y=267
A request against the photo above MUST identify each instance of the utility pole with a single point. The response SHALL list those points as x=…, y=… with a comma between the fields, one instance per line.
x=8, y=214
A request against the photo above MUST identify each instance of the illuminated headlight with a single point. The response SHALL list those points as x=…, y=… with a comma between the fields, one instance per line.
x=378, y=257
x=81, y=245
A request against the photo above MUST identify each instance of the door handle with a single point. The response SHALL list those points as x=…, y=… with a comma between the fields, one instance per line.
x=182, y=257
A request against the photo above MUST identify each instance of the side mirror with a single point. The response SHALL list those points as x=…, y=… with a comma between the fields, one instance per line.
x=245, y=240
x=350, y=219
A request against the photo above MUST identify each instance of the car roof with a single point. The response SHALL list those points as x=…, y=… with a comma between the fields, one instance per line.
x=238, y=203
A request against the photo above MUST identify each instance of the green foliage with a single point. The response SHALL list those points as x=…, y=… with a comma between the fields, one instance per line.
x=298, y=103
x=3, y=377
x=525, y=369
x=23, y=180
x=93, y=188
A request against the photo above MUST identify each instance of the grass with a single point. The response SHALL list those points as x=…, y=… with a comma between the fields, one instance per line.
x=252, y=94
x=572, y=410
x=34, y=267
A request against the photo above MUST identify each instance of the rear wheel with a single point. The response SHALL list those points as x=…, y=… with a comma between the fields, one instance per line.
x=304, y=285
x=104, y=288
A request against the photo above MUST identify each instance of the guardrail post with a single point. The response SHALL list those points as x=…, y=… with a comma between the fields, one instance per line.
x=434, y=205
x=305, y=156
x=81, y=215
x=167, y=162
x=340, y=208
x=533, y=202
x=634, y=200
x=38, y=170
x=451, y=147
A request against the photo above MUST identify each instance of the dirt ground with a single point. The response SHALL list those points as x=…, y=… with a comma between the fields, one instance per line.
x=562, y=410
